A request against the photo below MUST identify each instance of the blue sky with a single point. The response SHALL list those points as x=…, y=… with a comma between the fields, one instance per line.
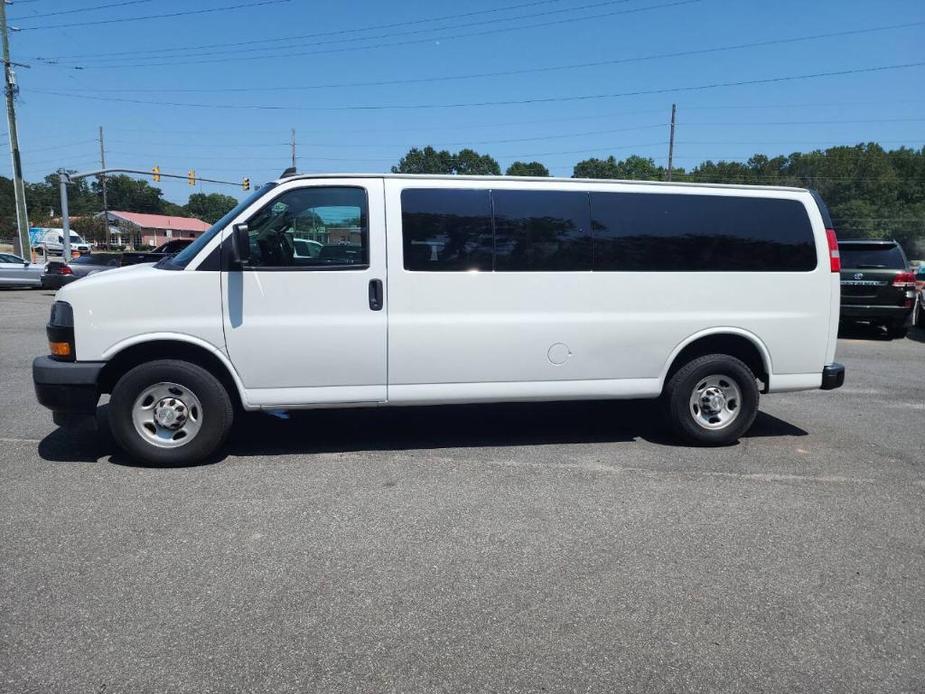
x=174, y=91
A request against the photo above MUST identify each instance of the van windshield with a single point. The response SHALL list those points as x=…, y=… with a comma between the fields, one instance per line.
x=183, y=258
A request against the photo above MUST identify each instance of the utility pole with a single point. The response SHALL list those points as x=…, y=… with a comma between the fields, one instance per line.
x=103, y=187
x=19, y=190
x=674, y=109
x=292, y=146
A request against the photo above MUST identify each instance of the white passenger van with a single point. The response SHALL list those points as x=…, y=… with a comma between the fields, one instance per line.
x=425, y=290
x=52, y=242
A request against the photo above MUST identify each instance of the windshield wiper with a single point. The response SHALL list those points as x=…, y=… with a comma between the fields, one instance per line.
x=870, y=267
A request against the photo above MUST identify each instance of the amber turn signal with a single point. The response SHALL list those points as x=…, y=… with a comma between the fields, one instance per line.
x=59, y=349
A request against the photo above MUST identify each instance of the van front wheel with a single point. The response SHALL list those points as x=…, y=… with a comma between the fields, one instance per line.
x=169, y=412
x=711, y=400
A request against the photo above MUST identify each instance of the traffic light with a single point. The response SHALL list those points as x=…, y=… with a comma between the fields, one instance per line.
x=156, y=173
x=246, y=184
x=191, y=177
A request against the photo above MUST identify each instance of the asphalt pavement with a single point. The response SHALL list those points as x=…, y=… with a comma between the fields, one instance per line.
x=551, y=547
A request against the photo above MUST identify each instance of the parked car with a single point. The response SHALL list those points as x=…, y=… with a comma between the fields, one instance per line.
x=540, y=289
x=876, y=284
x=919, y=317
x=58, y=273
x=159, y=253
x=19, y=272
x=52, y=243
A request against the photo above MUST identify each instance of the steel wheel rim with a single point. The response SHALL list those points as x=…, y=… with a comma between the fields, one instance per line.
x=715, y=401
x=167, y=415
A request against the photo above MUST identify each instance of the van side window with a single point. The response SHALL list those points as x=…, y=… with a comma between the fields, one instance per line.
x=541, y=230
x=446, y=229
x=311, y=227
x=665, y=232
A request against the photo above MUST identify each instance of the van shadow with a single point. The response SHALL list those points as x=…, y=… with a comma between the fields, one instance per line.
x=407, y=428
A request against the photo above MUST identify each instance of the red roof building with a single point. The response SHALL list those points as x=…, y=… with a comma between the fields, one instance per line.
x=155, y=229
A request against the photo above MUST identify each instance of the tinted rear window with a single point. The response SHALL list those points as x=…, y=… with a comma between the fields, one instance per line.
x=446, y=229
x=698, y=233
x=556, y=230
x=541, y=230
x=871, y=256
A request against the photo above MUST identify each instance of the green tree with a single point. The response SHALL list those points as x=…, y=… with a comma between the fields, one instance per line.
x=426, y=161
x=133, y=195
x=468, y=162
x=209, y=207
x=636, y=168
x=633, y=168
x=524, y=168
x=173, y=209
x=90, y=227
x=596, y=168
x=430, y=161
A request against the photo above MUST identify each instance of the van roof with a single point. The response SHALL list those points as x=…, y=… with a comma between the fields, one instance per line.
x=537, y=179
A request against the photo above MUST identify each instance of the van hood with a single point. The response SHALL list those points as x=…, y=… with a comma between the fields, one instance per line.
x=114, y=278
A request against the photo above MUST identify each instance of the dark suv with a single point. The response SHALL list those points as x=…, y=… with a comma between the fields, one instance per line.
x=876, y=285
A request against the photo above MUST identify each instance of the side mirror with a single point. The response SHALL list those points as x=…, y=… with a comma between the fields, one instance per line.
x=240, y=244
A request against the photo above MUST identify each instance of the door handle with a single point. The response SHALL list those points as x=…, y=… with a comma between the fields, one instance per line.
x=375, y=295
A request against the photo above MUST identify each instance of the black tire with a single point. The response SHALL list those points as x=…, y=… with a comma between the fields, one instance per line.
x=681, y=386
x=920, y=316
x=897, y=332
x=216, y=413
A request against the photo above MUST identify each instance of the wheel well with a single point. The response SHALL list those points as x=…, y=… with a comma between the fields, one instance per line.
x=736, y=346
x=132, y=356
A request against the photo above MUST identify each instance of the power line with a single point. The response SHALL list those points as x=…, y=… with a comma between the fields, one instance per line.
x=392, y=34
x=793, y=142
x=471, y=143
x=808, y=122
x=125, y=3
x=409, y=42
x=607, y=115
x=182, y=13
x=335, y=32
x=29, y=150
x=505, y=102
x=605, y=150
x=464, y=143
x=524, y=71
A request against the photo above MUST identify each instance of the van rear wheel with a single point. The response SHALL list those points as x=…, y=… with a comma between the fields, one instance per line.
x=170, y=412
x=711, y=400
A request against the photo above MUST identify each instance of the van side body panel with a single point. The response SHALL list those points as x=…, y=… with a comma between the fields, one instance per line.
x=494, y=332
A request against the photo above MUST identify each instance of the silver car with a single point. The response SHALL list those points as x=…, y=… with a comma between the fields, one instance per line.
x=918, y=317
x=18, y=272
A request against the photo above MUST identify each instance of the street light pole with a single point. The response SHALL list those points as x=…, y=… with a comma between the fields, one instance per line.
x=292, y=146
x=674, y=109
x=65, y=219
x=107, y=235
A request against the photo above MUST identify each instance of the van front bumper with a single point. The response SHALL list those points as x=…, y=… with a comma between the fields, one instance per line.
x=833, y=376
x=68, y=388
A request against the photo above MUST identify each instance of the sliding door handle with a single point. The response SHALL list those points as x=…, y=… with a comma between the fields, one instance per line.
x=375, y=295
